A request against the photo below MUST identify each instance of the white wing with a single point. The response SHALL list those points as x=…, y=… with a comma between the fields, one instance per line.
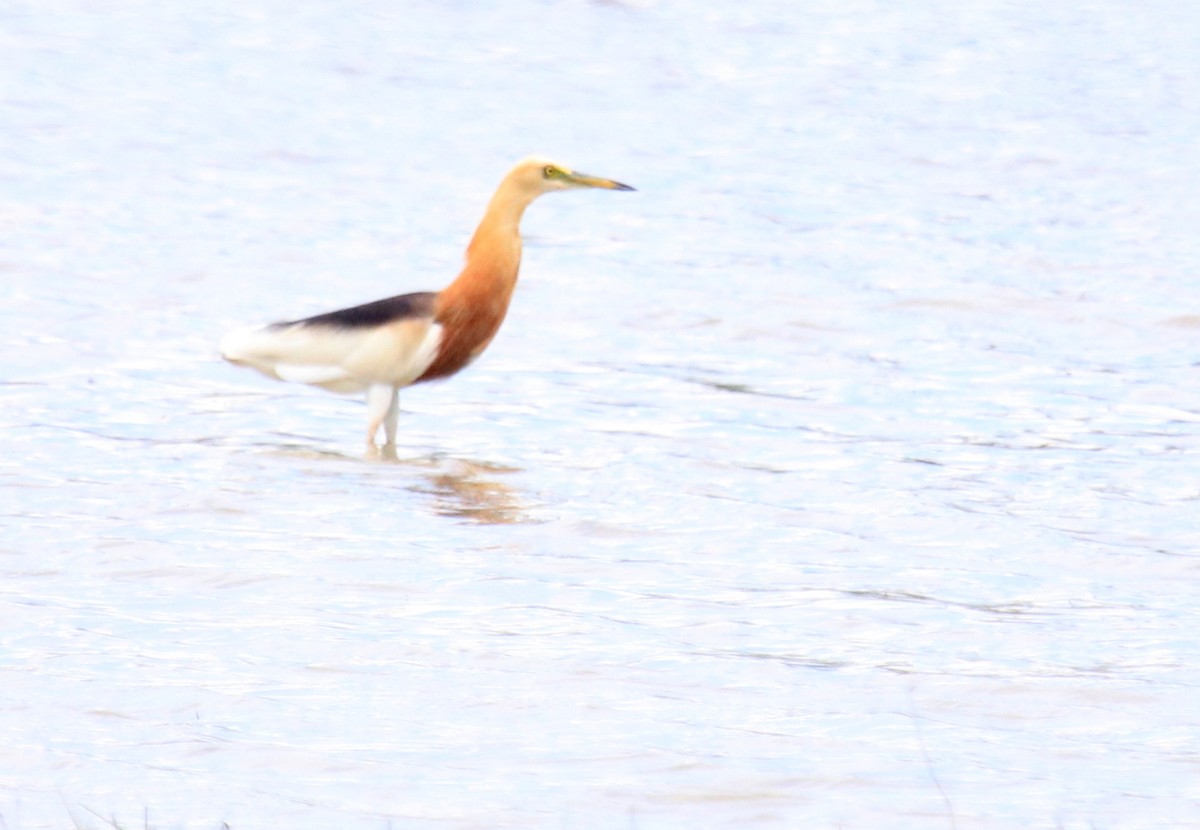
x=338, y=358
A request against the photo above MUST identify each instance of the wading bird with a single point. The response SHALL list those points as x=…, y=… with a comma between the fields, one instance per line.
x=381, y=347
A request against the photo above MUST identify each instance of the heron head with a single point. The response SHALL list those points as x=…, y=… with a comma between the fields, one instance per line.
x=544, y=176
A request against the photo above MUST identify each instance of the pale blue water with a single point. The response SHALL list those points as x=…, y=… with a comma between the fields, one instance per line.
x=845, y=475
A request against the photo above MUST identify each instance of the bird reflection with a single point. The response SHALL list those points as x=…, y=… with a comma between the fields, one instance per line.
x=461, y=488
x=469, y=490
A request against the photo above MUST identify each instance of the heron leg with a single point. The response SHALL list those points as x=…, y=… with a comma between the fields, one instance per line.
x=381, y=401
x=390, y=420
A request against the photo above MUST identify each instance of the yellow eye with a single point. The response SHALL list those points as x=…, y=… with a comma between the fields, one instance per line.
x=550, y=171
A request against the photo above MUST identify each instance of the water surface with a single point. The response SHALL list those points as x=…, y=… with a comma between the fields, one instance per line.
x=845, y=475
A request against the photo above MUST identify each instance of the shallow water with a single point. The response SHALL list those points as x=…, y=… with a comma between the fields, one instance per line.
x=845, y=475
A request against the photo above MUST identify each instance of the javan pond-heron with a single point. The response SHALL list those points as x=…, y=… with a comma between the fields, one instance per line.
x=381, y=347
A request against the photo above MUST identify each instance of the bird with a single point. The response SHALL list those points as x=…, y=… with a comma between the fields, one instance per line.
x=383, y=346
